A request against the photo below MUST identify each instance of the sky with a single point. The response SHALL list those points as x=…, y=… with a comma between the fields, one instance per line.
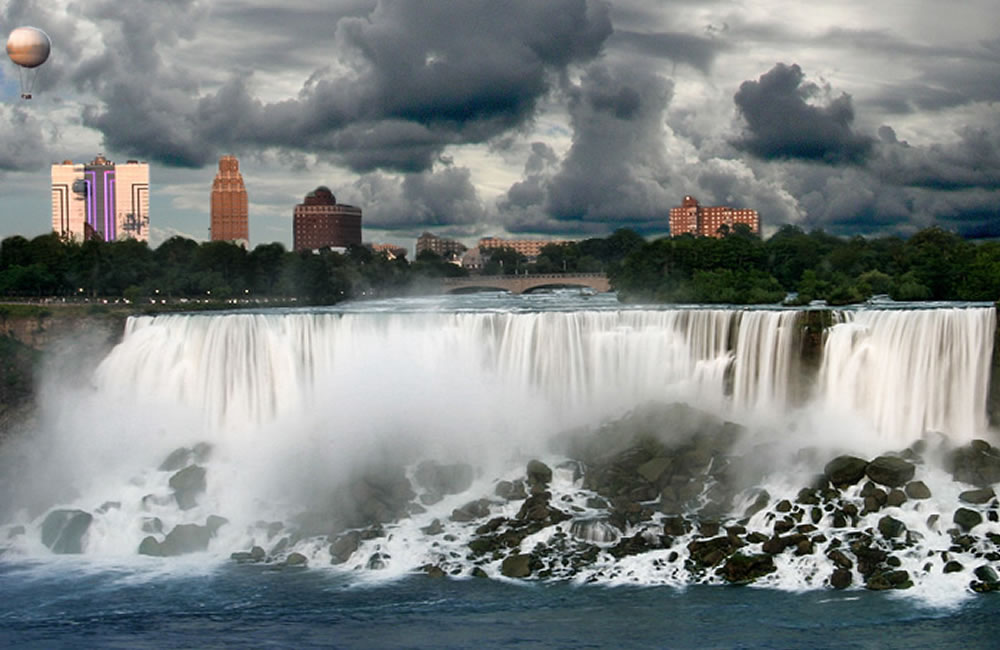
x=523, y=119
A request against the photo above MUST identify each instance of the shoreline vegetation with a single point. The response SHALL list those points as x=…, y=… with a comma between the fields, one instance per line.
x=791, y=266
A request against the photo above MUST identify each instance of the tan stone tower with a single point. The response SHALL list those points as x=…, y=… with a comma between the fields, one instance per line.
x=230, y=207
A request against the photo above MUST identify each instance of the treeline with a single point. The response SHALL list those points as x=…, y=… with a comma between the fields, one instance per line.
x=183, y=268
x=740, y=268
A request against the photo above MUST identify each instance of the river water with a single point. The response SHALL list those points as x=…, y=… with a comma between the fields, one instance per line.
x=290, y=402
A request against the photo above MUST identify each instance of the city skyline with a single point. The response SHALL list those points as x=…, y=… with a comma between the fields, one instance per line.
x=563, y=119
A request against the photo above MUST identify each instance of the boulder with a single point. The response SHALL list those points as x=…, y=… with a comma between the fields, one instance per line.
x=190, y=538
x=841, y=578
x=516, y=566
x=986, y=574
x=539, y=474
x=471, y=511
x=178, y=459
x=743, y=569
x=952, y=567
x=967, y=519
x=188, y=484
x=895, y=498
x=890, y=471
x=511, y=490
x=890, y=527
x=917, y=490
x=150, y=546
x=978, y=496
x=977, y=463
x=295, y=559
x=63, y=530
x=342, y=549
x=845, y=470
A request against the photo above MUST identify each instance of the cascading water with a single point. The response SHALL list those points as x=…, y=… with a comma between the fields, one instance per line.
x=295, y=405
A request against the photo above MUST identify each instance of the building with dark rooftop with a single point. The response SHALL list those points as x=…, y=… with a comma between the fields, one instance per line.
x=320, y=222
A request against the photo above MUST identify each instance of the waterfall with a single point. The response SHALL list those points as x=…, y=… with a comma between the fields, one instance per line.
x=904, y=371
x=912, y=371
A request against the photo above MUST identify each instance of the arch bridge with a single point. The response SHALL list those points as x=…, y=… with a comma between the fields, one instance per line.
x=524, y=283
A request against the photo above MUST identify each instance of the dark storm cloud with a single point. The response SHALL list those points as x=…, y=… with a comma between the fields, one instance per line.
x=422, y=76
x=440, y=197
x=616, y=169
x=679, y=47
x=970, y=161
x=781, y=124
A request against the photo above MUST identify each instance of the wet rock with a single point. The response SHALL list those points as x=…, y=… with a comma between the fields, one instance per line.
x=895, y=498
x=635, y=545
x=471, y=511
x=344, y=547
x=444, y=479
x=377, y=562
x=808, y=497
x=434, y=528
x=783, y=506
x=655, y=469
x=63, y=530
x=434, y=571
x=890, y=471
x=188, y=484
x=890, y=527
x=840, y=559
x=977, y=463
x=898, y=579
x=255, y=554
x=978, y=496
x=709, y=552
x=295, y=560
x=986, y=574
x=477, y=572
x=538, y=473
x=967, y=519
x=511, y=490
x=516, y=566
x=676, y=526
x=107, y=506
x=186, y=538
x=743, y=569
x=917, y=490
x=150, y=546
x=953, y=567
x=845, y=470
x=177, y=459
x=841, y=579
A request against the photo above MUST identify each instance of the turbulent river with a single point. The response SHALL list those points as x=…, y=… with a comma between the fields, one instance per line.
x=545, y=470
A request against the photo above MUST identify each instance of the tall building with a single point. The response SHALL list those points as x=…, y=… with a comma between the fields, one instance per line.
x=230, y=206
x=692, y=218
x=100, y=200
x=320, y=222
x=439, y=245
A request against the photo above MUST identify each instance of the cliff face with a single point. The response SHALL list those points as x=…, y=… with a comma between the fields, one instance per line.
x=31, y=335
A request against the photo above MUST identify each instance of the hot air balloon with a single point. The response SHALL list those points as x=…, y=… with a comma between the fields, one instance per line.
x=28, y=48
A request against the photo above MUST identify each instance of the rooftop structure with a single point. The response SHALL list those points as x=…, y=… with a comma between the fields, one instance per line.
x=100, y=200
x=320, y=222
x=230, y=204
